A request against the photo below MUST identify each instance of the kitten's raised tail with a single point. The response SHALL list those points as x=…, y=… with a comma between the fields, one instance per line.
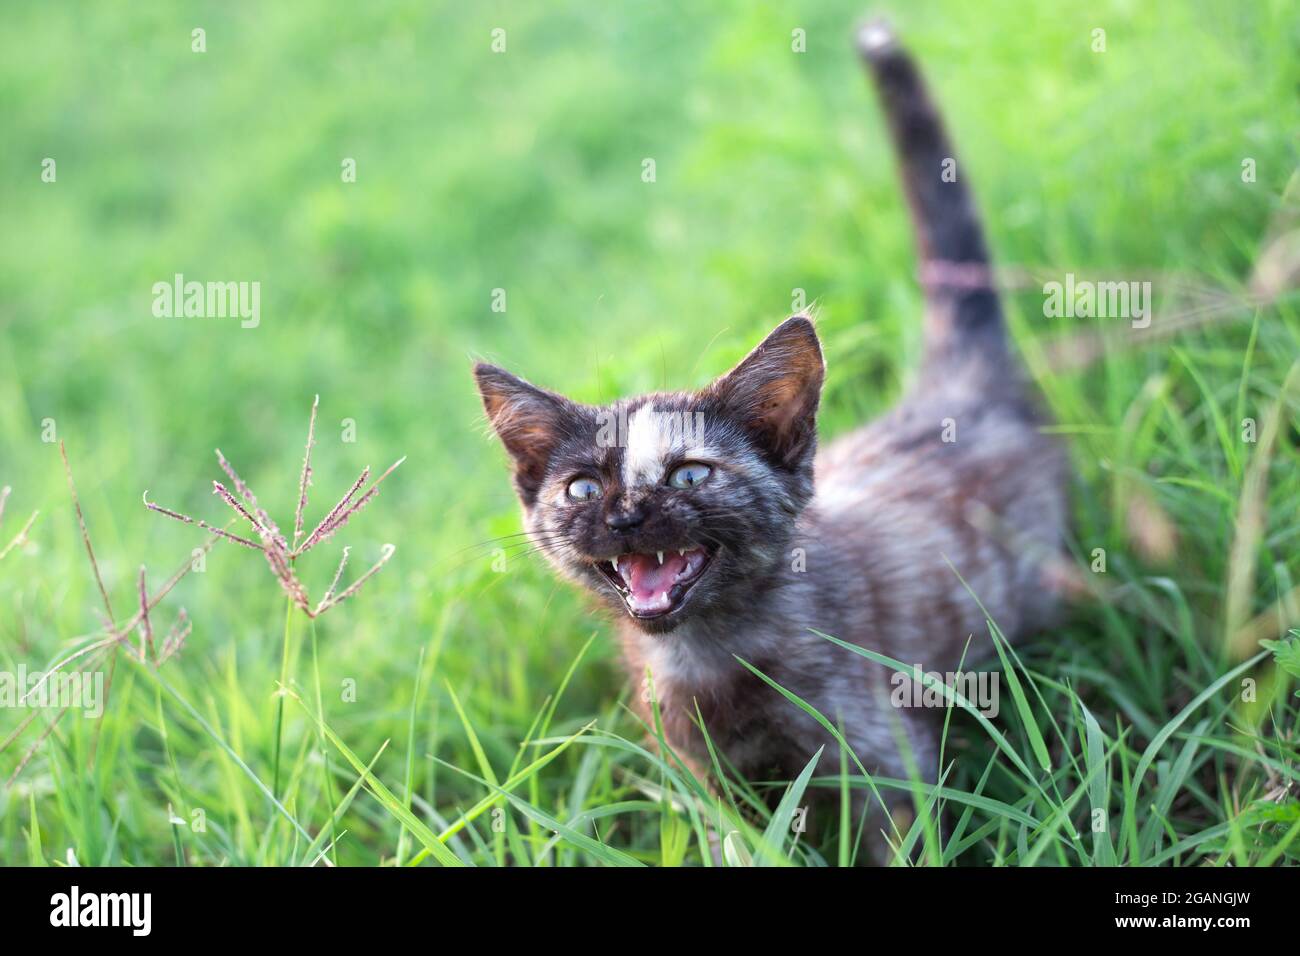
x=963, y=314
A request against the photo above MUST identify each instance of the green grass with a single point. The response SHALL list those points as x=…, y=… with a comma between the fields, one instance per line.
x=478, y=717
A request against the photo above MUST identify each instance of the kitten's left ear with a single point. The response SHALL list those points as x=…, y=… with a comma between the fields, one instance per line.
x=776, y=389
x=530, y=422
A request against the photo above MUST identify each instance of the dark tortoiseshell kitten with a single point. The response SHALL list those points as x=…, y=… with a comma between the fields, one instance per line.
x=714, y=529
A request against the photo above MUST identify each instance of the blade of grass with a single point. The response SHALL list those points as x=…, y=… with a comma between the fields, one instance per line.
x=515, y=780
x=315, y=851
x=771, y=848
x=383, y=794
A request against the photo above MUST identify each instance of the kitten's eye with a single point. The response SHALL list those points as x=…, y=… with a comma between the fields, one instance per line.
x=689, y=475
x=584, y=489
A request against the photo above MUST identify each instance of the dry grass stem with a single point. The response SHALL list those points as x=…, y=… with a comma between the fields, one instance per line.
x=20, y=538
x=85, y=535
x=146, y=626
x=118, y=634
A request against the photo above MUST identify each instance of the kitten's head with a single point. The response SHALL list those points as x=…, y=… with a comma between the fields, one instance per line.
x=668, y=505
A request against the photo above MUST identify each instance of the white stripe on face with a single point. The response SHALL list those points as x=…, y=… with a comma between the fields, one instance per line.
x=648, y=442
x=656, y=439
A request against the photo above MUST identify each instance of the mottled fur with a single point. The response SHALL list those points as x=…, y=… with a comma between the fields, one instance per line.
x=856, y=541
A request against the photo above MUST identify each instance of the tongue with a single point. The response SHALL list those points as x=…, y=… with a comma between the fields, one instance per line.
x=648, y=581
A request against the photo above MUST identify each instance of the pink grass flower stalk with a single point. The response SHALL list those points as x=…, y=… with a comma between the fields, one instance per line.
x=343, y=511
x=305, y=481
x=263, y=522
x=332, y=516
x=220, y=532
x=279, y=553
x=220, y=490
x=171, y=644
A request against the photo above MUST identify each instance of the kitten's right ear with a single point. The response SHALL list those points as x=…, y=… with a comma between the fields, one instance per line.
x=528, y=420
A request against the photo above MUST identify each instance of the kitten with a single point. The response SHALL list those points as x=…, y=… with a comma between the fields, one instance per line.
x=714, y=529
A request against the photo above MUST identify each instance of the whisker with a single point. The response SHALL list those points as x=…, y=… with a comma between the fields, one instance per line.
x=506, y=537
x=540, y=542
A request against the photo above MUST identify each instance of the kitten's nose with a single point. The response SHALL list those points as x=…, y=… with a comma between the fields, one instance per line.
x=625, y=519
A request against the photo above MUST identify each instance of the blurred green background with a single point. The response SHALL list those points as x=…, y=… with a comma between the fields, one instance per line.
x=522, y=171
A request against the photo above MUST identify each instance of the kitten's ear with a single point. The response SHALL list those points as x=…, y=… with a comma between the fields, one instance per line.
x=775, y=390
x=530, y=422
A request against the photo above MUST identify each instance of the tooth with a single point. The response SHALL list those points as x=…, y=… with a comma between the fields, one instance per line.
x=660, y=555
x=614, y=564
x=681, y=552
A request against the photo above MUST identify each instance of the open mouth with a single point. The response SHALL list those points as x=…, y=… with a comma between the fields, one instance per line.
x=656, y=584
